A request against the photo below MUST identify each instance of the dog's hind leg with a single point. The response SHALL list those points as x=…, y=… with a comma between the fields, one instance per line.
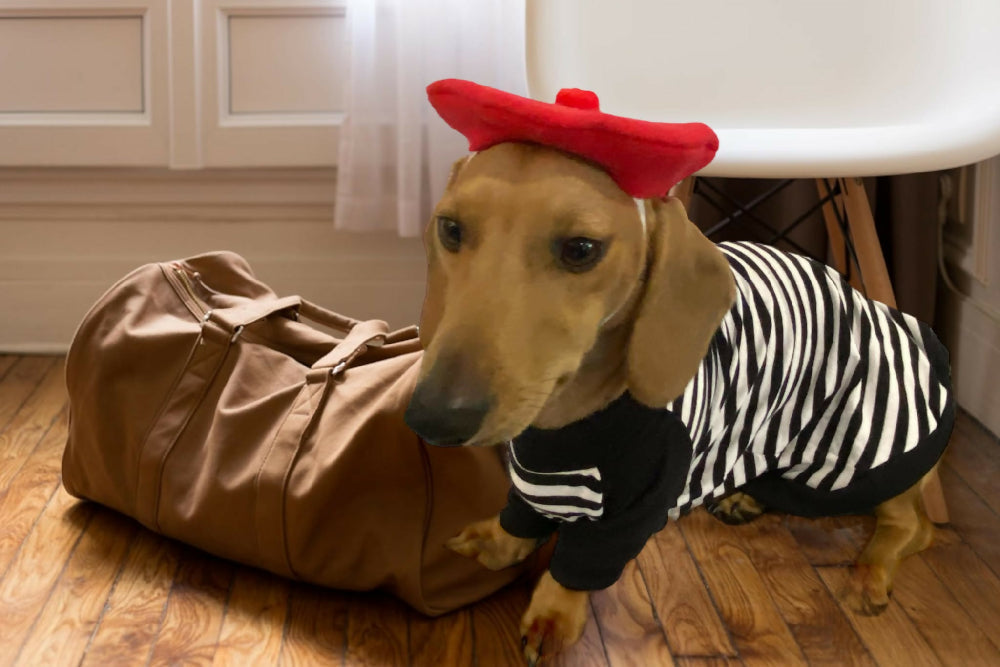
x=736, y=509
x=901, y=529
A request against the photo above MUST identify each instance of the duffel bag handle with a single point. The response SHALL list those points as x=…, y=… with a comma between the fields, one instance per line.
x=245, y=314
x=237, y=317
x=328, y=318
x=370, y=333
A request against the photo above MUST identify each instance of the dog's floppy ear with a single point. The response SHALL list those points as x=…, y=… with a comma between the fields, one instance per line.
x=433, y=306
x=689, y=289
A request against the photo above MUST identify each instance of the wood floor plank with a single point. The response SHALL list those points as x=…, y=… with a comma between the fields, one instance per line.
x=496, y=624
x=19, y=382
x=831, y=540
x=589, y=651
x=445, y=640
x=253, y=627
x=949, y=630
x=975, y=455
x=192, y=620
x=708, y=661
x=978, y=525
x=755, y=623
x=63, y=629
x=6, y=361
x=689, y=618
x=891, y=637
x=136, y=605
x=973, y=584
x=376, y=632
x=317, y=627
x=813, y=616
x=28, y=581
x=631, y=633
x=29, y=424
x=30, y=490
x=168, y=601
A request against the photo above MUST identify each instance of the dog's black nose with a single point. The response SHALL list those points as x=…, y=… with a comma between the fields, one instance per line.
x=444, y=420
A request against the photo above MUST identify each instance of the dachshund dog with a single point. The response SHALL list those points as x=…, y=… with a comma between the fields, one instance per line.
x=636, y=370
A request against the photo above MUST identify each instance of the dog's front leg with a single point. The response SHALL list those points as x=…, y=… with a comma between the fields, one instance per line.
x=491, y=545
x=554, y=620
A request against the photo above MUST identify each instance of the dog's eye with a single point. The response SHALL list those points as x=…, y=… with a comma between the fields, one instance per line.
x=579, y=253
x=450, y=233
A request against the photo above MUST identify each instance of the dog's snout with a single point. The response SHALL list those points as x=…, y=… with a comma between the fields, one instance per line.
x=448, y=423
x=448, y=406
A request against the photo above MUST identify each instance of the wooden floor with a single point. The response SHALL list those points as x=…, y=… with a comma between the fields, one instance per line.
x=81, y=584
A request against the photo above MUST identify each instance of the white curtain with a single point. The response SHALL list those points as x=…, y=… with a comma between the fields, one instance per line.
x=395, y=153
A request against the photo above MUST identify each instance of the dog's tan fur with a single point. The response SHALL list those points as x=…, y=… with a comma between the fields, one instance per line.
x=551, y=347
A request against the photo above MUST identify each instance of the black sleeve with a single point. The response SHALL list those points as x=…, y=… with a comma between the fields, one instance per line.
x=590, y=555
x=520, y=520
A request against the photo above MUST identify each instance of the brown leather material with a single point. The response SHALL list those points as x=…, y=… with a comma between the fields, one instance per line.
x=203, y=407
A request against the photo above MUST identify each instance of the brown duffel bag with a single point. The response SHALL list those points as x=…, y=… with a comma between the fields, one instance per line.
x=202, y=406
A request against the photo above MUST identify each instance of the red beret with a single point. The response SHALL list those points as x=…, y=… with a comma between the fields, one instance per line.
x=644, y=158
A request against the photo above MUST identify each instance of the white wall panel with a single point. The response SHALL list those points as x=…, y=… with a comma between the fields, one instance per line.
x=84, y=83
x=259, y=106
x=287, y=64
x=181, y=83
x=81, y=64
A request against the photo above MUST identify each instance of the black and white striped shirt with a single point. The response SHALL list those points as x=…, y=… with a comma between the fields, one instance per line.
x=807, y=392
x=807, y=377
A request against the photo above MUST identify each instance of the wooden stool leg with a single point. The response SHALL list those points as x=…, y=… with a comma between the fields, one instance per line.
x=833, y=212
x=875, y=277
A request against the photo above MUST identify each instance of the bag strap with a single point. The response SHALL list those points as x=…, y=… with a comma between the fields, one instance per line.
x=200, y=370
x=328, y=318
x=360, y=334
x=235, y=318
x=245, y=314
x=272, y=479
x=370, y=333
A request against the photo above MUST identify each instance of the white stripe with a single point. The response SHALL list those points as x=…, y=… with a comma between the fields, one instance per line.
x=701, y=400
x=752, y=422
x=739, y=472
x=832, y=401
x=565, y=490
x=593, y=473
x=782, y=310
x=812, y=336
x=562, y=510
x=833, y=453
x=716, y=422
x=839, y=307
x=884, y=446
x=686, y=412
x=909, y=386
x=914, y=326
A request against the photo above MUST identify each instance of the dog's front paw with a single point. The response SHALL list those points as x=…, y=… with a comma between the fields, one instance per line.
x=867, y=590
x=554, y=620
x=491, y=545
x=736, y=509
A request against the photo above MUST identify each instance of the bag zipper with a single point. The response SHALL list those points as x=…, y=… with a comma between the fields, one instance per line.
x=201, y=310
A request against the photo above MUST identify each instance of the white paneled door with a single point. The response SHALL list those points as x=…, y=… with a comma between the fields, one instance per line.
x=171, y=83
